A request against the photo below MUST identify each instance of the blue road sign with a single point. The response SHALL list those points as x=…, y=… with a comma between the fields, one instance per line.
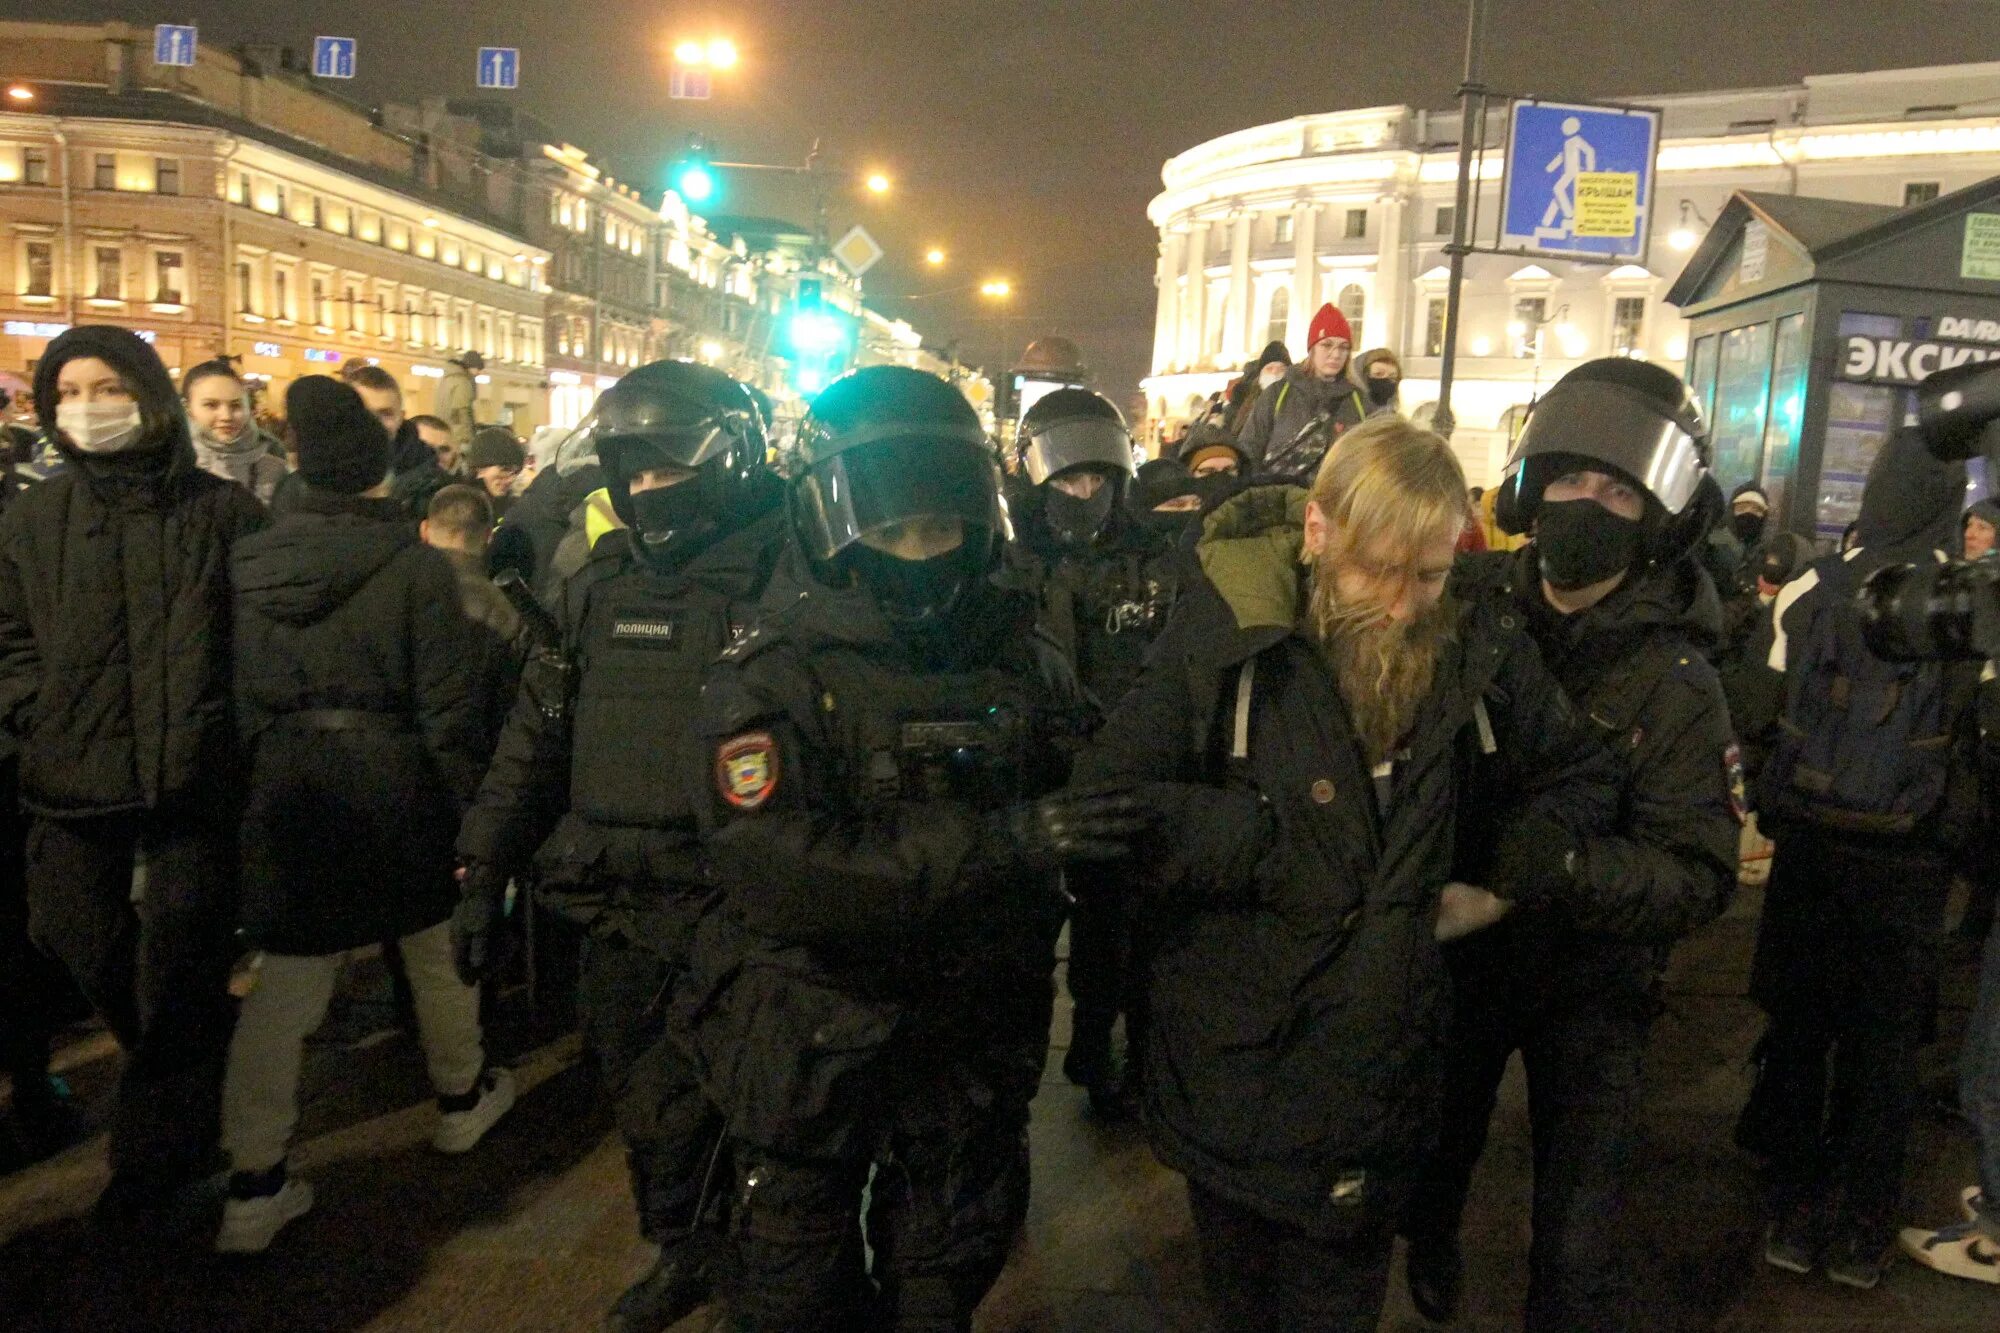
x=499, y=67
x=333, y=57
x=1579, y=180
x=173, y=44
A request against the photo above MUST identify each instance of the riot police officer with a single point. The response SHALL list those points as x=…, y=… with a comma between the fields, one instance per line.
x=582, y=771
x=1610, y=477
x=1105, y=584
x=875, y=992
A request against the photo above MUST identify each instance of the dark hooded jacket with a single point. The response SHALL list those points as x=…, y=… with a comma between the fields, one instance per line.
x=1275, y=437
x=1298, y=994
x=1636, y=665
x=114, y=609
x=356, y=699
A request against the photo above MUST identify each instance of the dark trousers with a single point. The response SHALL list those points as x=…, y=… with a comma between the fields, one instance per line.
x=1583, y=1100
x=1845, y=953
x=670, y=1131
x=944, y=1206
x=1105, y=973
x=157, y=970
x=1270, y=1277
x=29, y=982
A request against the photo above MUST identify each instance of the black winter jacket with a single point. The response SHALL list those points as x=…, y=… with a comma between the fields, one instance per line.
x=114, y=632
x=355, y=696
x=1274, y=437
x=1634, y=664
x=1298, y=994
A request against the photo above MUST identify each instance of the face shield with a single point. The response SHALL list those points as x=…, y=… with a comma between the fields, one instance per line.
x=1612, y=425
x=1076, y=442
x=910, y=474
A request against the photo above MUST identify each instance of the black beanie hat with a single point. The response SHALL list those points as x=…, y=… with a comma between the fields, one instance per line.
x=342, y=446
x=1161, y=480
x=495, y=446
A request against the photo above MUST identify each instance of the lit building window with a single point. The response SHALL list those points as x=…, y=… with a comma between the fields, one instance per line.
x=169, y=277
x=1628, y=325
x=110, y=274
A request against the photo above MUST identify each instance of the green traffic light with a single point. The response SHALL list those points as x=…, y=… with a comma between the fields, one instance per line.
x=695, y=182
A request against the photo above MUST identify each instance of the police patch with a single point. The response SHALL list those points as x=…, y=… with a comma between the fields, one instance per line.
x=651, y=631
x=746, y=769
x=1739, y=789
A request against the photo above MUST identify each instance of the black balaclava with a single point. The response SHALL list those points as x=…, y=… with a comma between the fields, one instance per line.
x=1077, y=523
x=1748, y=527
x=921, y=599
x=1581, y=542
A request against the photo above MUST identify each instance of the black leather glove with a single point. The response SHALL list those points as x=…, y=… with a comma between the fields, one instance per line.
x=1534, y=863
x=1075, y=825
x=479, y=939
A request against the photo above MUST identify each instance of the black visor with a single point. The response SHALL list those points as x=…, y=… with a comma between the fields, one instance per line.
x=1611, y=424
x=893, y=481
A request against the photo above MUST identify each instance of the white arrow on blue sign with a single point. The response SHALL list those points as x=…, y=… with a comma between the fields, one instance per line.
x=499, y=67
x=333, y=57
x=173, y=44
x=1579, y=180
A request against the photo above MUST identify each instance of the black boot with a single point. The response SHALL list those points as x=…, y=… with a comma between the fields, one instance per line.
x=1436, y=1271
x=672, y=1289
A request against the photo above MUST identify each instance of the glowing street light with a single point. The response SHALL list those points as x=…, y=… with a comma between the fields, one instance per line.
x=20, y=92
x=722, y=53
x=999, y=289
x=934, y=257
x=691, y=53
x=877, y=183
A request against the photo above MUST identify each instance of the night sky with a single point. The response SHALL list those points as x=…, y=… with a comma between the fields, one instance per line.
x=1026, y=138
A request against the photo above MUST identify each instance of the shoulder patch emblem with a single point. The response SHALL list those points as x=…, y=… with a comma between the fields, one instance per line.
x=746, y=769
x=1739, y=790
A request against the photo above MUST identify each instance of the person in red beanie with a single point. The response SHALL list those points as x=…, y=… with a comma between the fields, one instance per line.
x=1292, y=424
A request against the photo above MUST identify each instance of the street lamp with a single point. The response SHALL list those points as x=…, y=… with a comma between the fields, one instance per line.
x=934, y=257
x=20, y=92
x=722, y=54
x=999, y=289
x=1684, y=236
x=877, y=183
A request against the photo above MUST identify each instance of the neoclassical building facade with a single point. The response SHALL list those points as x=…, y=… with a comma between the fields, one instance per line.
x=1259, y=227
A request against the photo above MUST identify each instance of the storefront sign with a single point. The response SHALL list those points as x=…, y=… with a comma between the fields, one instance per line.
x=427, y=372
x=564, y=377
x=27, y=328
x=1980, y=258
x=321, y=355
x=1904, y=361
x=267, y=349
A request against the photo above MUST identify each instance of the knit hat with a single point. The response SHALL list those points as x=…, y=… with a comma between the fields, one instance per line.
x=1161, y=480
x=162, y=422
x=1328, y=323
x=495, y=446
x=1205, y=440
x=1274, y=353
x=342, y=446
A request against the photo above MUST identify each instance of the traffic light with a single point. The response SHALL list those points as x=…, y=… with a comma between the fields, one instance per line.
x=693, y=174
x=818, y=337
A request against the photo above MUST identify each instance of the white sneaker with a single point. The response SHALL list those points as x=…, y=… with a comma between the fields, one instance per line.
x=250, y=1225
x=1959, y=1250
x=460, y=1131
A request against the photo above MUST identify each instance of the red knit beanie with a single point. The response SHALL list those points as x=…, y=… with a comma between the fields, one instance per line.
x=1328, y=323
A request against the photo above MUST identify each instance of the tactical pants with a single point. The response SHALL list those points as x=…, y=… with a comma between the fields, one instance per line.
x=670, y=1131
x=155, y=964
x=1104, y=975
x=1274, y=1278
x=1584, y=1077
x=1848, y=943
x=944, y=1209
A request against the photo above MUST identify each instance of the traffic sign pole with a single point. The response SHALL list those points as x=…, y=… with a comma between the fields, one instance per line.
x=1471, y=97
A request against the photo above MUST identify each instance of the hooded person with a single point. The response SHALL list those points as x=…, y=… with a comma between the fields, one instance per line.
x=357, y=703
x=1749, y=511
x=495, y=461
x=1625, y=619
x=1293, y=423
x=1258, y=375
x=228, y=442
x=1209, y=447
x=1869, y=791
x=115, y=683
x=1379, y=373
x=1979, y=529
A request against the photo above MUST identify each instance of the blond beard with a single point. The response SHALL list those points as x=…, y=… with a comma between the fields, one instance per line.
x=1384, y=667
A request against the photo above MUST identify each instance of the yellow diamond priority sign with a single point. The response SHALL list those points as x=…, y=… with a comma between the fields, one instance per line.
x=859, y=251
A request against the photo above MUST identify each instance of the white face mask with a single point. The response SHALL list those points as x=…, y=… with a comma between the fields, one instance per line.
x=1271, y=374
x=99, y=428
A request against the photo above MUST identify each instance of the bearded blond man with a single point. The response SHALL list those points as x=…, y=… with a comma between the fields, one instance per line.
x=1306, y=730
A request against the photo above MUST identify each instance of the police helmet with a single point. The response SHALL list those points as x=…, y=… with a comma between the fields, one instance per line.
x=1629, y=417
x=887, y=444
x=1071, y=428
x=679, y=414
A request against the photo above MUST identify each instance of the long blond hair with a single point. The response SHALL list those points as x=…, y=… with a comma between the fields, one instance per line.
x=1387, y=479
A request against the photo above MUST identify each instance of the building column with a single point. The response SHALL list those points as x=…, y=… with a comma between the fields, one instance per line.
x=1236, y=316
x=1391, y=299
x=1194, y=301
x=1305, y=274
x=1167, y=323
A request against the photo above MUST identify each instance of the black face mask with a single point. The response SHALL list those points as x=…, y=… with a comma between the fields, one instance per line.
x=914, y=594
x=1168, y=523
x=1078, y=523
x=672, y=523
x=1382, y=392
x=1749, y=528
x=1581, y=543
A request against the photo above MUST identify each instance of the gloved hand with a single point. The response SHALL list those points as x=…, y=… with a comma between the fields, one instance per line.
x=1534, y=862
x=479, y=926
x=1088, y=824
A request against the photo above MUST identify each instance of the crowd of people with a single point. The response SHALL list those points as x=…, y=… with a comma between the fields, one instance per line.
x=1347, y=782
